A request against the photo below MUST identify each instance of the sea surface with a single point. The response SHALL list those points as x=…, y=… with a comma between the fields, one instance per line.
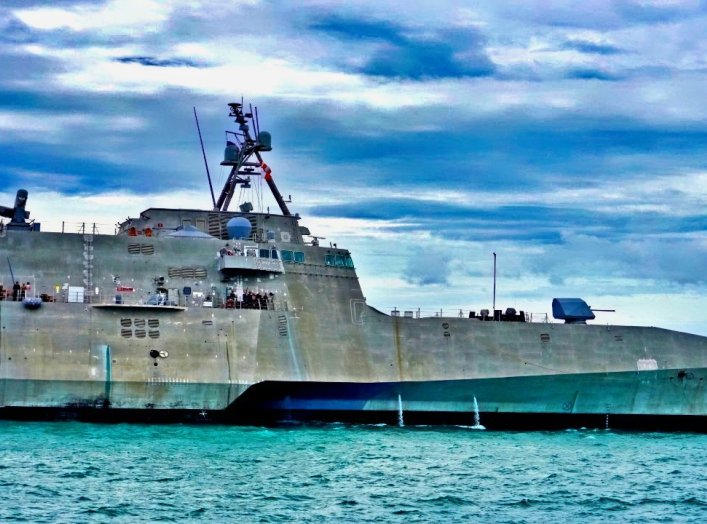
x=82, y=472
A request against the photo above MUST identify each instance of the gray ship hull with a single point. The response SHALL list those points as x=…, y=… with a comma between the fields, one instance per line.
x=265, y=366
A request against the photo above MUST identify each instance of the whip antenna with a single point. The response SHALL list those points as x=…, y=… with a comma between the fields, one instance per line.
x=206, y=165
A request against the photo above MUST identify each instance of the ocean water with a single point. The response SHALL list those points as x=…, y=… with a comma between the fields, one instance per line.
x=82, y=472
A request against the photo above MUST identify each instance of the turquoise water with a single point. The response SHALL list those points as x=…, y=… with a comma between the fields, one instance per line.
x=77, y=472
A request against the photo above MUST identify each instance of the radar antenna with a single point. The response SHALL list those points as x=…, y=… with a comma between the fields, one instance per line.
x=241, y=147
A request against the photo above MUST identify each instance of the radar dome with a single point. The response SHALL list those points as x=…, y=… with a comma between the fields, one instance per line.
x=238, y=227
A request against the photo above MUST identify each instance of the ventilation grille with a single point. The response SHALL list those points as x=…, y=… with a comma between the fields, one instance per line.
x=217, y=226
x=137, y=249
x=282, y=325
x=135, y=327
x=544, y=337
x=187, y=272
x=207, y=322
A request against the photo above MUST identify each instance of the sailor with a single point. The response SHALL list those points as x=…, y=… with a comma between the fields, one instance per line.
x=16, y=291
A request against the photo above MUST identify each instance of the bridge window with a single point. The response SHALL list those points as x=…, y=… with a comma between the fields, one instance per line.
x=287, y=255
x=264, y=253
x=349, y=261
x=299, y=257
x=273, y=254
x=329, y=260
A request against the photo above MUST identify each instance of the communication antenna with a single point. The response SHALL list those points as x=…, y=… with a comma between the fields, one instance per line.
x=494, y=281
x=206, y=164
x=243, y=155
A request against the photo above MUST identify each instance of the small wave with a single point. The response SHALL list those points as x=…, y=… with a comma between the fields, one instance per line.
x=74, y=475
x=694, y=501
x=168, y=479
x=403, y=511
x=121, y=510
x=444, y=500
x=613, y=503
x=524, y=503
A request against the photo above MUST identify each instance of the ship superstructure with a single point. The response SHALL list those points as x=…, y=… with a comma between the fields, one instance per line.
x=241, y=316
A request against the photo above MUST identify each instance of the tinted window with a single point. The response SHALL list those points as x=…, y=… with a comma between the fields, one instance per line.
x=287, y=255
x=264, y=253
x=299, y=256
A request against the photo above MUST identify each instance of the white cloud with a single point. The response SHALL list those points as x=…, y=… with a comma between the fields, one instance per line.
x=51, y=128
x=116, y=17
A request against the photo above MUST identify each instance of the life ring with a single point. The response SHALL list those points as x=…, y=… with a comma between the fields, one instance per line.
x=148, y=232
x=132, y=232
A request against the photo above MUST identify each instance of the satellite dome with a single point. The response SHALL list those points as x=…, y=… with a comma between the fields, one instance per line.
x=238, y=227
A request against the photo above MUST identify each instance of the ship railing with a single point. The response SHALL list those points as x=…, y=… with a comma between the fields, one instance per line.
x=196, y=300
x=27, y=288
x=470, y=314
x=130, y=296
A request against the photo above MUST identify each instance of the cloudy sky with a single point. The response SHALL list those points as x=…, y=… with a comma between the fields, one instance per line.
x=570, y=138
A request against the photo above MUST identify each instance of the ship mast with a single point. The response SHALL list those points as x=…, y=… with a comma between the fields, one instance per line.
x=243, y=154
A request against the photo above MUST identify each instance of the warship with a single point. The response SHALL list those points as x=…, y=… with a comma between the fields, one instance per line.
x=244, y=317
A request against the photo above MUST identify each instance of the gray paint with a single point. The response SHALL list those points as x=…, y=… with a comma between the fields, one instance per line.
x=316, y=330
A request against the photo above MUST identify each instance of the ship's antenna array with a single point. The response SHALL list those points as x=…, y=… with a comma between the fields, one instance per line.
x=241, y=147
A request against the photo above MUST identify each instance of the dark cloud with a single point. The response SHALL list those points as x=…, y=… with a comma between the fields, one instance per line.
x=678, y=262
x=509, y=152
x=587, y=73
x=356, y=29
x=401, y=53
x=535, y=224
x=13, y=31
x=658, y=13
x=601, y=14
x=151, y=61
x=584, y=46
x=163, y=149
